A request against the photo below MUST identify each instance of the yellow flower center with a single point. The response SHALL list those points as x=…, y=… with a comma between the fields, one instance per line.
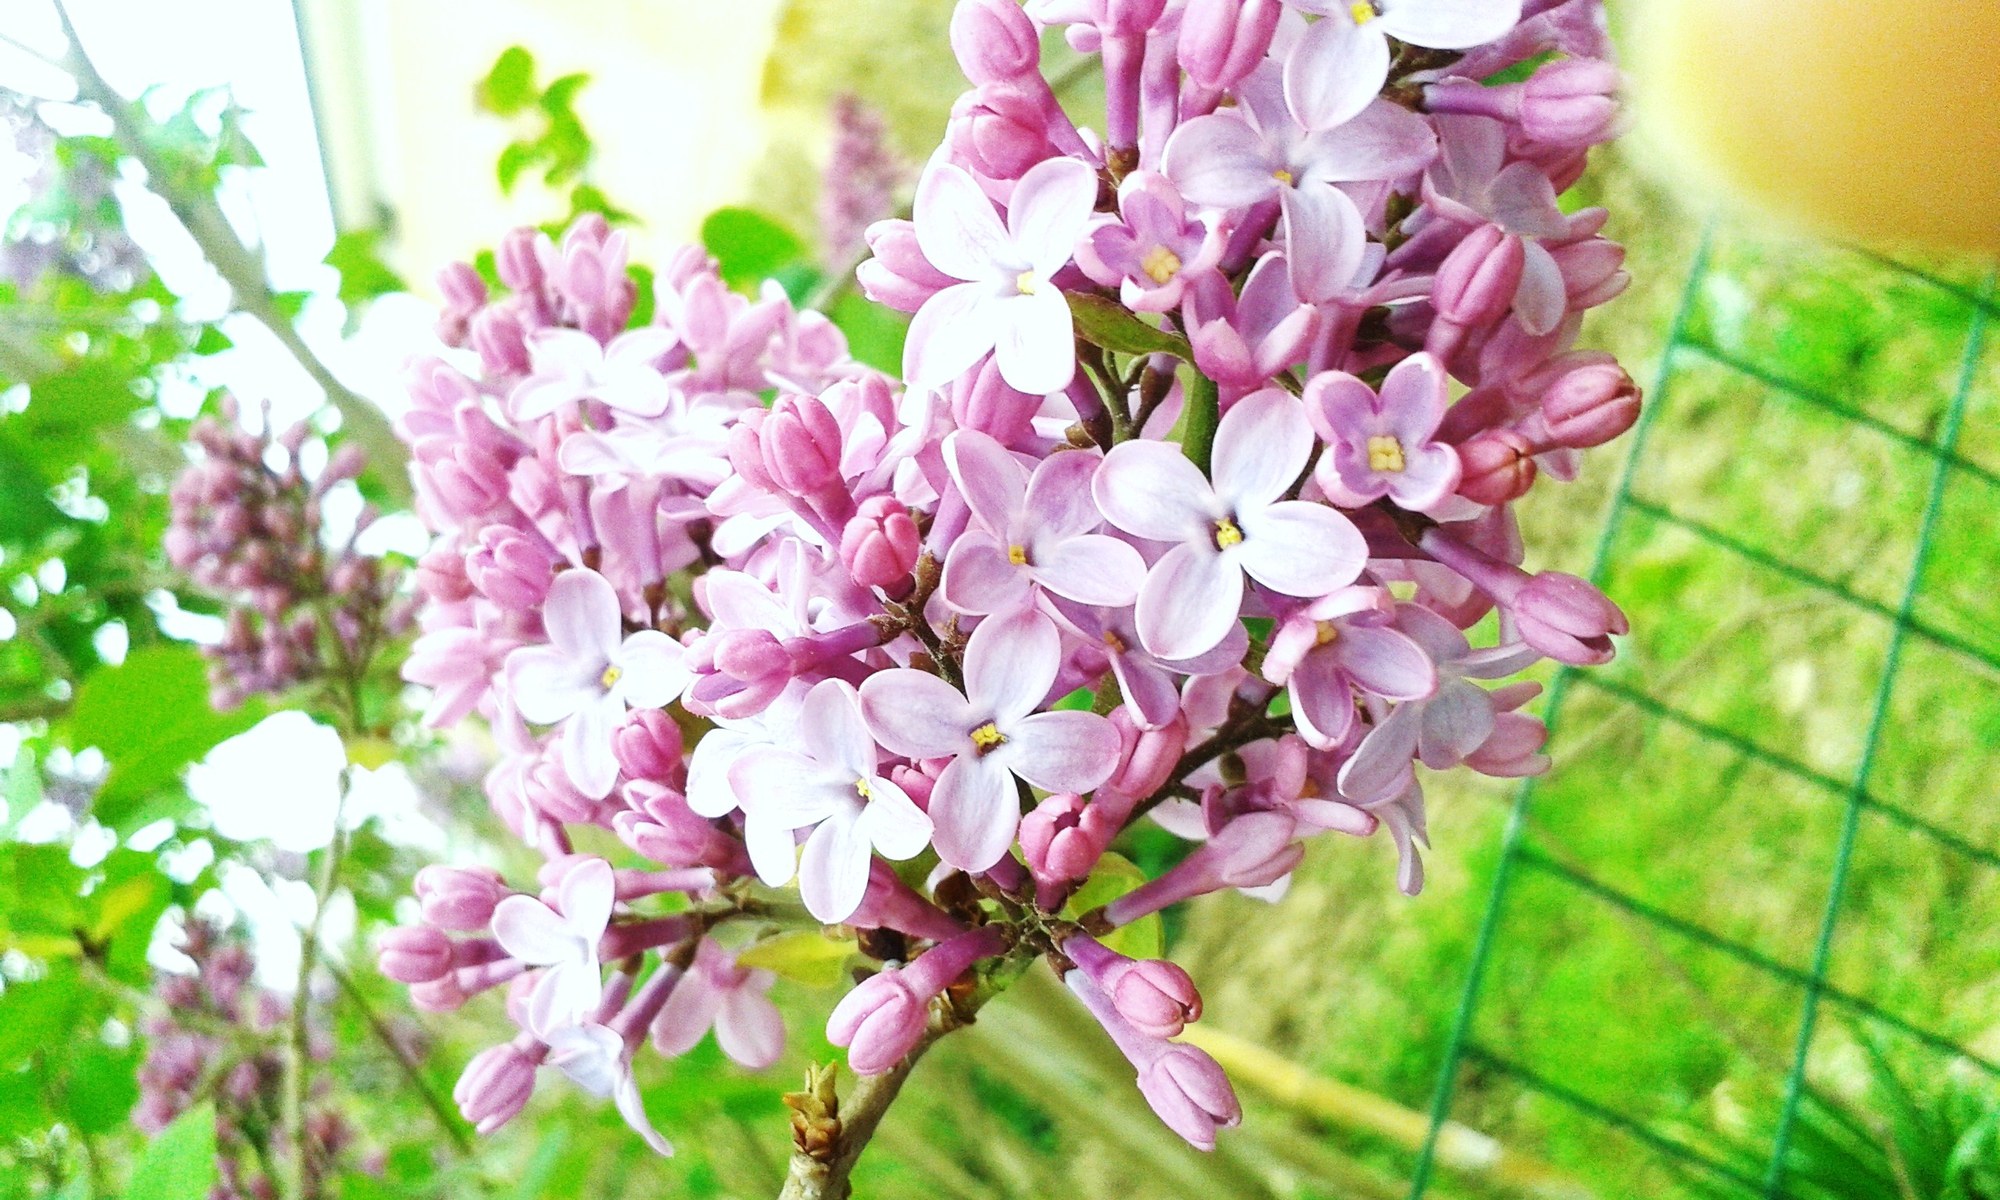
x=1161, y=264
x=1116, y=643
x=611, y=677
x=1018, y=555
x=862, y=789
x=1282, y=176
x=1227, y=535
x=1328, y=633
x=1027, y=283
x=988, y=736
x=1385, y=454
x=1363, y=12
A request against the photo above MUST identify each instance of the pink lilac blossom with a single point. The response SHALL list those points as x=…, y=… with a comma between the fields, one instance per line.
x=1199, y=483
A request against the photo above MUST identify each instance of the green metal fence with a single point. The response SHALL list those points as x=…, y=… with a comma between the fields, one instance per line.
x=1894, y=646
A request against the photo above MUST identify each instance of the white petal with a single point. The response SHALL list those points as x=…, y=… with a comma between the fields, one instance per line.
x=956, y=227
x=1010, y=664
x=1048, y=210
x=1189, y=603
x=1035, y=341
x=1261, y=448
x=1151, y=490
x=895, y=825
x=953, y=330
x=1449, y=24
x=833, y=871
x=547, y=685
x=1301, y=549
x=1336, y=70
x=652, y=674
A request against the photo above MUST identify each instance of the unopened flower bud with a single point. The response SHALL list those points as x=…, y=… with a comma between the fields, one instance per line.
x=414, y=954
x=1499, y=466
x=1059, y=846
x=897, y=274
x=460, y=898
x=800, y=441
x=649, y=745
x=994, y=41
x=1156, y=996
x=1591, y=405
x=881, y=544
x=883, y=1018
x=1567, y=619
x=1570, y=102
x=1146, y=757
x=1190, y=1092
x=495, y=1087
x=1223, y=40
x=1476, y=284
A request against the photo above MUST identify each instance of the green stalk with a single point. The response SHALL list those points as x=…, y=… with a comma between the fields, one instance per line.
x=1199, y=418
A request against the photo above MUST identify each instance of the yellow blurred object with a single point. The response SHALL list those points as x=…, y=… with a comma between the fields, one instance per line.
x=1868, y=119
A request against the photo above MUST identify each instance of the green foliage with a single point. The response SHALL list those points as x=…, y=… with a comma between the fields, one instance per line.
x=151, y=717
x=554, y=142
x=180, y=1163
x=1116, y=875
x=1104, y=323
x=750, y=247
x=356, y=254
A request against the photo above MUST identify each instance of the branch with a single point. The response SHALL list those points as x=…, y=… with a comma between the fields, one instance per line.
x=292, y=1104
x=241, y=267
x=447, y=1117
x=821, y=1172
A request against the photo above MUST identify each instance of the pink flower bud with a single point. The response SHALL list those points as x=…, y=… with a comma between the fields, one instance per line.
x=1570, y=102
x=879, y=1022
x=982, y=400
x=516, y=262
x=1155, y=996
x=754, y=656
x=413, y=954
x=1593, y=272
x=1191, y=1094
x=800, y=441
x=994, y=41
x=495, y=1086
x=461, y=286
x=1254, y=850
x=881, y=544
x=1591, y=405
x=460, y=898
x=1223, y=40
x=510, y=568
x=440, y=995
x=890, y=903
x=1146, y=757
x=662, y=827
x=1000, y=130
x=1477, y=282
x=649, y=745
x=1060, y=846
x=1567, y=619
x=746, y=451
x=1499, y=466
x=497, y=334
x=898, y=274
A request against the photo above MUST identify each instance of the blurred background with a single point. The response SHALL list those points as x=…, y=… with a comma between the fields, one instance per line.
x=1740, y=942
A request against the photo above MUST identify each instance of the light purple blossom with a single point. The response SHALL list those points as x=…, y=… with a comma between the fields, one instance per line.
x=563, y=943
x=1008, y=303
x=572, y=366
x=1035, y=532
x=1340, y=643
x=1239, y=525
x=1384, y=444
x=596, y=1059
x=1342, y=61
x=832, y=785
x=992, y=734
x=1152, y=248
x=717, y=993
x=589, y=673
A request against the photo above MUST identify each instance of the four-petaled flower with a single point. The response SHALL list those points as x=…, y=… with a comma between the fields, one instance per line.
x=991, y=733
x=834, y=786
x=1008, y=303
x=1239, y=524
x=597, y=1060
x=563, y=944
x=1342, y=62
x=1336, y=644
x=1150, y=254
x=1384, y=444
x=718, y=993
x=589, y=672
x=1037, y=532
x=570, y=366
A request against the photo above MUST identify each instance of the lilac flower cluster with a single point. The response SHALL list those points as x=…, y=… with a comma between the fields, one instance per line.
x=1175, y=517
x=246, y=526
x=217, y=1040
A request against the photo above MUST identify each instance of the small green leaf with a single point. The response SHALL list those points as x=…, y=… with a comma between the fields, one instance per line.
x=749, y=246
x=363, y=274
x=212, y=340
x=510, y=86
x=1108, y=324
x=101, y=1087
x=1080, y=700
x=290, y=304
x=20, y=788
x=875, y=332
x=516, y=158
x=1115, y=875
x=806, y=957
x=35, y=1016
x=642, y=292
x=560, y=97
x=180, y=1162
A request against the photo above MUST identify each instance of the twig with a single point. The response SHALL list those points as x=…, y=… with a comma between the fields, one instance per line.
x=826, y=1177
x=293, y=1104
x=241, y=267
x=447, y=1117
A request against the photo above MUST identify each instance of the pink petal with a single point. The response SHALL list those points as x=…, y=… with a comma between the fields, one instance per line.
x=1261, y=448
x=1035, y=341
x=980, y=578
x=1189, y=601
x=772, y=845
x=1386, y=142
x=1010, y=664
x=957, y=229
x=528, y=930
x=749, y=1028
x=1415, y=396
x=992, y=480
x=1092, y=569
x=1219, y=160
x=645, y=346
x=1541, y=301
x=1340, y=407
x=895, y=826
x=587, y=757
x=833, y=871
x=1061, y=751
x=1149, y=689
x=1048, y=211
x=632, y=1107
x=832, y=731
x=1325, y=239
x=582, y=616
x=1429, y=475
x=1380, y=767
x=561, y=351
x=976, y=811
x=952, y=331
x=690, y=1009
x=1450, y=24
x=1386, y=662
x=1151, y=490
x=1456, y=721
x=788, y=789
x=587, y=893
x=1058, y=498
x=1300, y=548
x=1335, y=71
x=1322, y=703
x=916, y=714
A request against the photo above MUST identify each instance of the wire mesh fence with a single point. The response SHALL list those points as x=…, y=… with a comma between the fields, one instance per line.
x=1815, y=489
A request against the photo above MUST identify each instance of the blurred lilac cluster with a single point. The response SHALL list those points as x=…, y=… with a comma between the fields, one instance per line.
x=60, y=228
x=216, y=1040
x=246, y=526
x=1194, y=507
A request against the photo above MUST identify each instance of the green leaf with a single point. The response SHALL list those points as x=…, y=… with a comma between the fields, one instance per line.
x=101, y=1087
x=806, y=956
x=560, y=97
x=363, y=274
x=875, y=332
x=510, y=86
x=125, y=906
x=1080, y=700
x=212, y=340
x=35, y=1016
x=290, y=304
x=150, y=716
x=749, y=246
x=1116, y=875
x=585, y=198
x=1109, y=324
x=44, y=893
x=516, y=158
x=644, y=297
x=20, y=789
x=73, y=404
x=180, y=1162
